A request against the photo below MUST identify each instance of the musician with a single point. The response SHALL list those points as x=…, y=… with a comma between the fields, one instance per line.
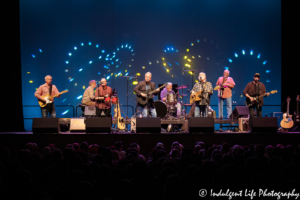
x=44, y=90
x=103, y=91
x=226, y=84
x=89, y=95
x=201, y=108
x=255, y=88
x=143, y=86
x=165, y=92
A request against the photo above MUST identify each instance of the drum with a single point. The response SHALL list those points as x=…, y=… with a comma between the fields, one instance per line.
x=107, y=100
x=161, y=109
x=171, y=99
x=114, y=100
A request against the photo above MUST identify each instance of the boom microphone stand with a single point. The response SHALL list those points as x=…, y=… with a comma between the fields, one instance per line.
x=188, y=70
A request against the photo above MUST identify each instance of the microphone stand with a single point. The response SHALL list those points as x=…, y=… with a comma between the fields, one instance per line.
x=128, y=77
x=188, y=70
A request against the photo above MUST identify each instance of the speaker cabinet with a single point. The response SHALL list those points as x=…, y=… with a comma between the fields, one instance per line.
x=45, y=125
x=240, y=111
x=264, y=124
x=148, y=125
x=98, y=125
x=201, y=125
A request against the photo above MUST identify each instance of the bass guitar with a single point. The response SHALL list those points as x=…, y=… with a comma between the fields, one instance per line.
x=48, y=97
x=256, y=98
x=287, y=121
x=144, y=100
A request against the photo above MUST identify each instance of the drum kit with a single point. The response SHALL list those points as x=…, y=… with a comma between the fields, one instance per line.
x=172, y=108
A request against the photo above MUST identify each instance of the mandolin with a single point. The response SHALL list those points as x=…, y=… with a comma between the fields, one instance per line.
x=287, y=121
x=48, y=97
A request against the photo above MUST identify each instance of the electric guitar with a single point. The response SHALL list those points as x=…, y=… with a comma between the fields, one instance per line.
x=195, y=97
x=48, y=97
x=144, y=100
x=287, y=121
x=256, y=98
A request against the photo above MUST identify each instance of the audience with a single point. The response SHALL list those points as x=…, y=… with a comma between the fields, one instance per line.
x=89, y=171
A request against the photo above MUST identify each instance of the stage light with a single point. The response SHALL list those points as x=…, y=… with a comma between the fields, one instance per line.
x=80, y=69
x=28, y=72
x=33, y=56
x=165, y=51
x=79, y=97
x=99, y=73
x=193, y=57
x=65, y=112
x=131, y=50
x=75, y=48
x=126, y=74
x=167, y=70
x=118, y=49
x=150, y=63
x=129, y=47
x=129, y=65
x=138, y=74
x=165, y=64
x=122, y=46
x=157, y=61
x=190, y=72
x=172, y=49
x=258, y=56
x=71, y=79
x=107, y=55
x=227, y=68
x=236, y=55
x=169, y=64
x=187, y=50
x=185, y=57
x=265, y=62
x=268, y=81
x=75, y=84
x=106, y=58
x=90, y=43
x=144, y=67
x=117, y=59
x=30, y=81
x=70, y=54
x=198, y=41
x=251, y=52
x=117, y=66
x=40, y=50
x=82, y=44
x=268, y=71
x=63, y=100
x=112, y=63
x=243, y=51
x=163, y=58
x=132, y=59
x=100, y=57
x=176, y=50
x=189, y=60
x=199, y=56
x=103, y=51
x=67, y=62
x=135, y=83
x=114, y=56
x=207, y=58
x=106, y=67
x=126, y=46
x=108, y=77
x=168, y=49
x=192, y=44
x=229, y=60
x=90, y=62
x=177, y=63
x=66, y=70
x=97, y=45
x=83, y=87
x=125, y=70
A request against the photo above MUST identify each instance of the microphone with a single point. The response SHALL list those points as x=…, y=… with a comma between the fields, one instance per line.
x=183, y=71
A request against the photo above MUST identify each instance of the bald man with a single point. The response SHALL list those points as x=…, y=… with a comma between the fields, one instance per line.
x=43, y=90
x=226, y=84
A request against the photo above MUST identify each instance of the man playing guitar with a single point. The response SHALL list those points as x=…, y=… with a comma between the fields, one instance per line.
x=140, y=89
x=44, y=90
x=253, y=89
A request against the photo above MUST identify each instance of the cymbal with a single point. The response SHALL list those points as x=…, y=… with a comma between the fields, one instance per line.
x=187, y=104
x=217, y=87
x=183, y=95
x=182, y=87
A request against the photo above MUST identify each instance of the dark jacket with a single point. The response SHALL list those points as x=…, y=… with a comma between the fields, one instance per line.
x=250, y=89
x=142, y=86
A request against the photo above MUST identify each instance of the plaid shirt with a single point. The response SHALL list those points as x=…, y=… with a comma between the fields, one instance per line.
x=206, y=97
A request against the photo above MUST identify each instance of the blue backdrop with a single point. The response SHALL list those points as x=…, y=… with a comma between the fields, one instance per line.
x=77, y=41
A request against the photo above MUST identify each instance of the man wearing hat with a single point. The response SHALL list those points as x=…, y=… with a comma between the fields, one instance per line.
x=253, y=89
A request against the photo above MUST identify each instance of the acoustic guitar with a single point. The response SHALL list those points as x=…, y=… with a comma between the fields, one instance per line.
x=195, y=97
x=120, y=120
x=48, y=97
x=144, y=100
x=287, y=121
x=256, y=98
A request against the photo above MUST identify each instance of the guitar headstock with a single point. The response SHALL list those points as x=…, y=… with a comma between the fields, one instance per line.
x=288, y=99
x=298, y=98
x=273, y=91
x=65, y=91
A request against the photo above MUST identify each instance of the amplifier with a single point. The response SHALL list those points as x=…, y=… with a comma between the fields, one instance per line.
x=243, y=124
x=90, y=110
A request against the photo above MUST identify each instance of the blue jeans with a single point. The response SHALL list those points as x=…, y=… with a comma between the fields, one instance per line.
x=49, y=108
x=201, y=110
x=145, y=111
x=228, y=106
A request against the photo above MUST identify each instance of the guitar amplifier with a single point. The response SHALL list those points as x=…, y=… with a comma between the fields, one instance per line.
x=243, y=124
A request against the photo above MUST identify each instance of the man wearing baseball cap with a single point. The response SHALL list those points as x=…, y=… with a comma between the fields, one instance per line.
x=252, y=90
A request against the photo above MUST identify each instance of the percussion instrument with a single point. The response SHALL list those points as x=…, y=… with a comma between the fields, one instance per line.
x=107, y=100
x=182, y=87
x=171, y=99
x=114, y=100
x=161, y=109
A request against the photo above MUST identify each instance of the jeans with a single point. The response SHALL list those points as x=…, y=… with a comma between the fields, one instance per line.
x=49, y=108
x=201, y=110
x=145, y=111
x=228, y=106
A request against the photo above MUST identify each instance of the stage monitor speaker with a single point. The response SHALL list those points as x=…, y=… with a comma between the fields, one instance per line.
x=148, y=125
x=77, y=125
x=264, y=124
x=201, y=125
x=45, y=125
x=240, y=111
x=98, y=125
